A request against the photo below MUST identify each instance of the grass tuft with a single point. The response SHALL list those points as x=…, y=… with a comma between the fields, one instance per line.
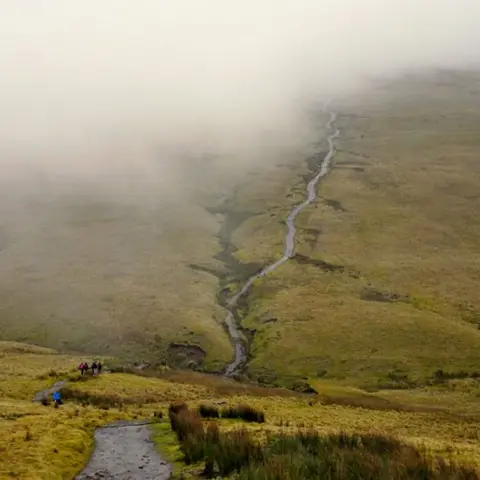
x=347, y=457
x=208, y=411
x=244, y=412
x=28, y=435
x=306, y=454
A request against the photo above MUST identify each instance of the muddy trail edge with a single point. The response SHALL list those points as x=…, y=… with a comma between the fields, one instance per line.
x=48, y=392
x=240, y=355
x=124, y=450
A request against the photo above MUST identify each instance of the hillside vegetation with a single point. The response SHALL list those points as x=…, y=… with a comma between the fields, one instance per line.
x=365, y=347
x=39, y=442
x=123, y=273
x=383, y=289
x=381, y=293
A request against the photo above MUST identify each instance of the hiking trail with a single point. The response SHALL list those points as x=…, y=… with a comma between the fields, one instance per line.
x=48, y=392
x=234, y=331
x=125, y=451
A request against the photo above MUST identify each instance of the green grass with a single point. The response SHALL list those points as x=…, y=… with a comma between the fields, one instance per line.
x=168, y=446
x=27, y=369
x=103, y=277
x=305, y=453
x=407, y=229
x=406, y=234
x=342, y=456
x=398, y=213
x=38, y=441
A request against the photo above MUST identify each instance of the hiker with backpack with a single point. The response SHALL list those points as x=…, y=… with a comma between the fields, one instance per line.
x=57, y=399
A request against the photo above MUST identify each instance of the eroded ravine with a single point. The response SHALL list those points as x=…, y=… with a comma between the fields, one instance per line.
x=240, y=355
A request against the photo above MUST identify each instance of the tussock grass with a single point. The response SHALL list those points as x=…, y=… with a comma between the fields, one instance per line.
x=110, y=397
x=343, y=457
x=184, y=422
x=305, y=454
x=127, y=386
x=408, y=414
x=245, y=413
x=208, y=411
x=222, y=386
x=228, y=451
x=105, y=400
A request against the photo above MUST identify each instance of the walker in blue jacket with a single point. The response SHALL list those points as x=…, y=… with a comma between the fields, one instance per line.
x=57, y=400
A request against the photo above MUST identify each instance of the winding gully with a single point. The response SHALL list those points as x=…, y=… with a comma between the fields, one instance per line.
x=240, y=355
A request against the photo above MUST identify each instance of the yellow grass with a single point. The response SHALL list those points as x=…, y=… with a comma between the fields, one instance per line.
x=441, y=432
x=128, y=387
x=27, y=369
x=409, y=227
x=38, y=442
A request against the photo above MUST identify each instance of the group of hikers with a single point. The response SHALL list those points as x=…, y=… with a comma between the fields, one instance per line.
x=96, y=368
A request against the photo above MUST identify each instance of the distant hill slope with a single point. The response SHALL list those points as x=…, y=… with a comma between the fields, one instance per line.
x=384, y=289
x=124, y=273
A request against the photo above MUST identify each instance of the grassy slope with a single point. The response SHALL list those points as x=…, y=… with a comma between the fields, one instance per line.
x=97, y=275
x=397, y=211
x=27, y=369
x=40, y=442
x=111, y=274
x=402, y=221
x=409, y=223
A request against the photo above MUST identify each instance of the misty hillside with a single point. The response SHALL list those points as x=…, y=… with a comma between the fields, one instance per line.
x=150, y=158
x=261, y=219
x=137, y=273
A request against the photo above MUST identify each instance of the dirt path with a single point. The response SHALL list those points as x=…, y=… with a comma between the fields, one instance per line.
x=125, y=451
x=240, y=356
x=48, y=392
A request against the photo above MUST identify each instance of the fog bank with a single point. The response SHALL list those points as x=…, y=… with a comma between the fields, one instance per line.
x=92, y=87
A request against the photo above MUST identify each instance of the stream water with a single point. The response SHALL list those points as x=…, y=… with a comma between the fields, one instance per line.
x=240, y=355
